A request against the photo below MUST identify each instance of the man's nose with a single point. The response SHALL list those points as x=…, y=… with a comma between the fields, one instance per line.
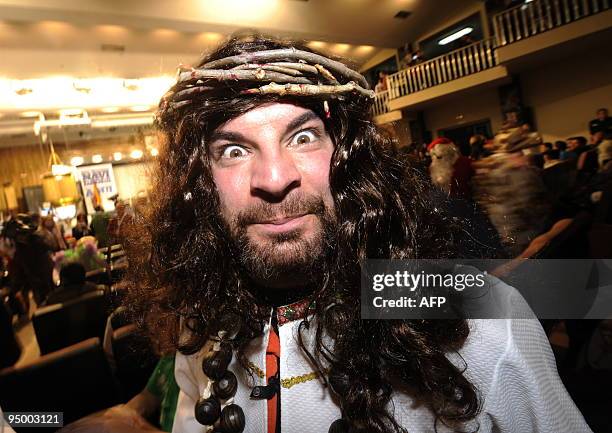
x=274, y=175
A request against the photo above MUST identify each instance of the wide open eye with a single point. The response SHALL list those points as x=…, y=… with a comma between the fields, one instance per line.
x=304, y=137
x=233, y=152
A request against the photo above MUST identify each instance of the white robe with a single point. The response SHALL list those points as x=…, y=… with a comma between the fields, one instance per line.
x=509, y=361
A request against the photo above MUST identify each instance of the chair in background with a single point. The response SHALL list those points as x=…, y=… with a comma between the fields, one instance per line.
x=60, y=325
x=132, y=358
x=98, y=276
x=76, y=380
x=10, y=350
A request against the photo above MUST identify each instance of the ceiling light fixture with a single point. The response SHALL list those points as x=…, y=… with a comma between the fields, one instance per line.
x=453, y=37
x=136, y=154
x=96, y=159
x=30, y=114
x=77, y=160
x=140, y=108
x=109, y=109
x=117, y=156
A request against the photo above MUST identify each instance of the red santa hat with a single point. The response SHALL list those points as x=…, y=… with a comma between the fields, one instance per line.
x=440, y=140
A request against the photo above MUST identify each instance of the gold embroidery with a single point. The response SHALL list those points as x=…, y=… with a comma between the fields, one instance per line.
x=289, y=381
x=258, y=371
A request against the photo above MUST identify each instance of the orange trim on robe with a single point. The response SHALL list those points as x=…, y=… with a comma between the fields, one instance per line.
x=272, y=357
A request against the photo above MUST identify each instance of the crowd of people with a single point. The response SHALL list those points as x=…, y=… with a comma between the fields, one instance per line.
x=49, y=258
x=541, y=199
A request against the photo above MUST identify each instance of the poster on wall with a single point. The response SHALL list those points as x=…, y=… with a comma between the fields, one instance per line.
x=98, y=186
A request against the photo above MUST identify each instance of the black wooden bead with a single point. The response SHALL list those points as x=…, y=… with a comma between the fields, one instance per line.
x=215, y=365
x=207, y=411
x=232, y=419
x=226, y=387
x=339, y=426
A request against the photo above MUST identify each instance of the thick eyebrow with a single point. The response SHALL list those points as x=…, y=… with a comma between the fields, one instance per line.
x=299, y=121
x=228, y=136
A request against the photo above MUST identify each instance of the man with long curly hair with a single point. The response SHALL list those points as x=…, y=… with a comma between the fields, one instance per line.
x=273, y=186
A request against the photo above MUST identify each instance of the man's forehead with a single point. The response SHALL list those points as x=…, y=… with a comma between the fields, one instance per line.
x=269, y=114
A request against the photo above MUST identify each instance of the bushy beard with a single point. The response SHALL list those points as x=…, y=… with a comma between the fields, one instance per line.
x=292, y=253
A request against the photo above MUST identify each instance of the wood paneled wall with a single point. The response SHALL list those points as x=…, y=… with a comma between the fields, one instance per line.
x=24, y=166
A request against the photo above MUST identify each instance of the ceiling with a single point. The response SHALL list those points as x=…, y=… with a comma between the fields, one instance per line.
x=135, y=39
x=155, y=33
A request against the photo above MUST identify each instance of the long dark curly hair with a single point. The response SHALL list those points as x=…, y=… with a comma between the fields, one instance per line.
x=183, y=268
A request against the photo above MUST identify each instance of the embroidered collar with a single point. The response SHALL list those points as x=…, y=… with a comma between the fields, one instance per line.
x=296, y=311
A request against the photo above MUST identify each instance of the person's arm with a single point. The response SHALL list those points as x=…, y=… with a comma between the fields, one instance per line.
x=527, y=394
x=117, y=419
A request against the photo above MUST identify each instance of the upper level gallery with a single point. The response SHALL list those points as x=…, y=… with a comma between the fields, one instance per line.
x=523, y=36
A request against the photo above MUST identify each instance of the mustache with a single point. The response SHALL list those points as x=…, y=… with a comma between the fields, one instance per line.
x=292, y=206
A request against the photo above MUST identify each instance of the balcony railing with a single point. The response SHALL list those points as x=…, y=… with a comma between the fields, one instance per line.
x=380, y=103
x=539, y=16
x=456, y=64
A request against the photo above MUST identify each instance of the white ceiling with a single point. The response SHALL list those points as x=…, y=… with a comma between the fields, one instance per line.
x=40, y=37
x=81, y=39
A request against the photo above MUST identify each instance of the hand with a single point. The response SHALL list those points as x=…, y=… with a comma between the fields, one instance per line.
x=117, y=419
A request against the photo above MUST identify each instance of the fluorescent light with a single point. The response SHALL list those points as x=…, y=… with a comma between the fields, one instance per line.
x=56, y=93
x=136, y=154
x=30, y=114
x=154, y=152
x=456, y=35
x=117, y=156
x=96, y=159
x=140, y=108
x=77, y=160
x=122, y=121
x=109, y=109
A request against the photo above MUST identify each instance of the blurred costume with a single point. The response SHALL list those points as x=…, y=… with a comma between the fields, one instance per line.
x=32, y=266
x=510, y=190
x=450, y=170
x=99, y=227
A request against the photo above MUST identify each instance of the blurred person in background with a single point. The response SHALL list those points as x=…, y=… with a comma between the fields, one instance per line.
x=450, y=170
x=72, y=284
x=561, y=146
x=477, y=147
x=99, y=226
x=604, y=156
x=32, y=266
x=50, y=233
x=381, y=85
x=577, y=145
x=120, y=224
x=601, y=125
x=81, y=228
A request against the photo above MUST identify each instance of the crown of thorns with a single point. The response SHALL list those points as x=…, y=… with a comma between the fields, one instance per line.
x=286, y=71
